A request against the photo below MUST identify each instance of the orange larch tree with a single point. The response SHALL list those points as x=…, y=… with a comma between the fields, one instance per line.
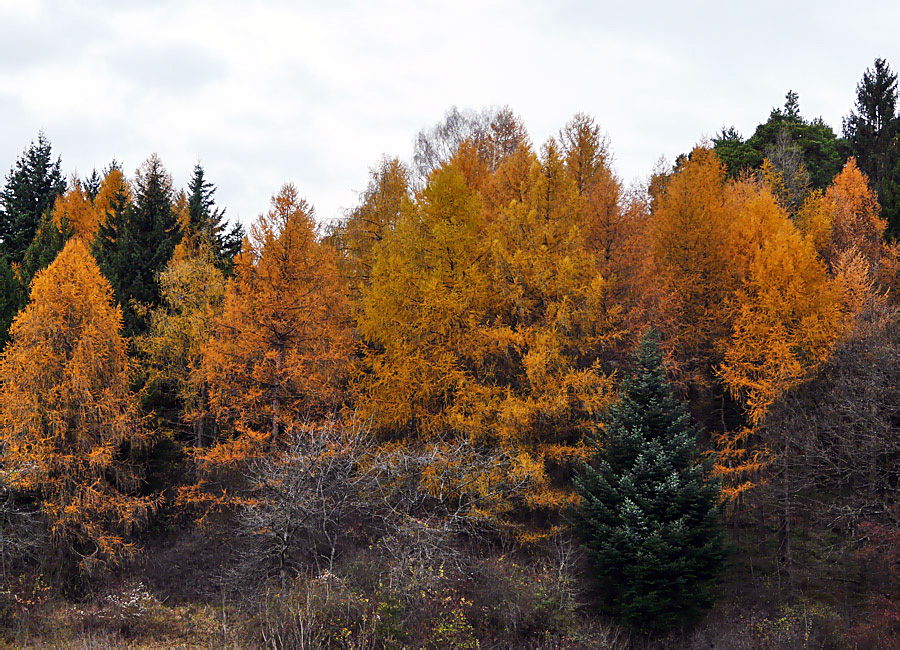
x=280, y=348
x=742, y=296
x=856, y=221
x=784, y=317
x=689, y=266
x=68, y=420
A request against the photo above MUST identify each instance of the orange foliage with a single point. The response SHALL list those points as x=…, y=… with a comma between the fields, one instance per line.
x=586, y=151
x=785, y=315
x=741, y=294
x=75, y=209
x=112, y=189
x=84, y=215
x=690, y=268
x=856, y=222
x=814, y=220
x=67, y=414
x=281, y=345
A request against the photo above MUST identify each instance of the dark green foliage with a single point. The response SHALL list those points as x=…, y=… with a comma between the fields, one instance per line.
x=92, y=185
x=46, y=245
x=31, y=188
x=206, y=222
x=12, y=299
x=137, y=241
x=734, y=152
x=649, y=513
x=815, y=141
x=105, y=247
x=871, y=132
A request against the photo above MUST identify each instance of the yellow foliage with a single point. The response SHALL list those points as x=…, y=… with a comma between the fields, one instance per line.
x=357, y=236
x=486, y=320
x=192, y=291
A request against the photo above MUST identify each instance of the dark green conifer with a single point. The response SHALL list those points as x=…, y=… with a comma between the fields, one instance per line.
x=137, y=241
x=649, y=512
x=92, y=185
x=31, y=188
x=872, y=132
x=12, y=298
x=206, y=222
x=48, y=241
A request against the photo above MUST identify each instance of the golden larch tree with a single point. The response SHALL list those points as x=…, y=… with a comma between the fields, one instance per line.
x=68, y=419
x=785, y=317
x=690, y=273
x=484, y=324
x=368, y=224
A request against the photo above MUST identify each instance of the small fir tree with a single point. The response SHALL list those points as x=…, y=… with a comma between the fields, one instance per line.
x=649, y=511
x=206, y=223
x=136, y=240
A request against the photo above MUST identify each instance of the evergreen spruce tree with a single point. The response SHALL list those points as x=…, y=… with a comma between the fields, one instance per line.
x=32, y=186
x=137, y=240
x=92, y=185
x=105, y=247
x=649, y=512
x=206, y=222
x=872, y=131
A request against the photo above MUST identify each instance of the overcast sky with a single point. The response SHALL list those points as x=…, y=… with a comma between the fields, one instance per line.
x=316, y=92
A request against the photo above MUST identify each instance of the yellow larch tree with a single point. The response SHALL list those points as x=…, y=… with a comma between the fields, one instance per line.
x=356, y=236
x=68, y=419
x=483, y=323
x=549, y=327
x=426, y=293
x=192, y=292
x=845, y=222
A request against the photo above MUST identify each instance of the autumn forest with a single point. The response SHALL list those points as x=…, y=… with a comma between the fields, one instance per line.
x=506, y=401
